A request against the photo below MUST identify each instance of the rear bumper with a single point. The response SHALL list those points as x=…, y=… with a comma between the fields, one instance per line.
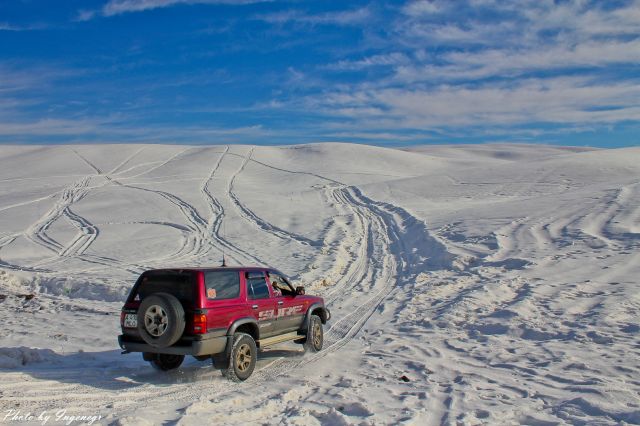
x=214, y=345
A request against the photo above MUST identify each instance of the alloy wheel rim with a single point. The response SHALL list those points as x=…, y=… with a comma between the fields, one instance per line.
x=156, y=320
x=243, y=357
x=317, y=335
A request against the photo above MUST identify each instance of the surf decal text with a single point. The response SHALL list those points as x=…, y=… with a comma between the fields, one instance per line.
x=281, y=312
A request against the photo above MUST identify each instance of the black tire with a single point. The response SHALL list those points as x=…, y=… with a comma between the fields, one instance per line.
x=202, y=357
x=243, y=358
x=161, y=320
x=166, y=362
x=315, y=335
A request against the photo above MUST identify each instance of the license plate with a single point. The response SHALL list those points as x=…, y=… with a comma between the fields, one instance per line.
x=131, y=320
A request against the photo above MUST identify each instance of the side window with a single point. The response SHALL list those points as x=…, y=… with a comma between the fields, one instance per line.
x=222, y=284
x=280, y=285
x=258, y=288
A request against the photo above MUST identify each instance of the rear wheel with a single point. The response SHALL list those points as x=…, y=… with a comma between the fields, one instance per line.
x=166, y=362
x=243, y=358
x=315, y=335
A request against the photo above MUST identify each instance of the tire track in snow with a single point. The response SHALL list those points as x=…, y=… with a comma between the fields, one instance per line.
x=37, y=232
x=89, y=163
x=357, y=266
x=393, y=230
x=193, y=232
x=87, y=235
x=198, y=231
x=629, y=199
x=217, y=215
x=88, y=232
x=251, y=217
x=597, y=227
x=192, y=243
x=324, y=178
x=35, y=200
x=600, y=224
x=126, y=160
x=167, y=161
x=390, y=261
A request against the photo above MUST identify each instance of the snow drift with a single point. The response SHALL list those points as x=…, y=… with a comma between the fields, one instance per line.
x=470, y=284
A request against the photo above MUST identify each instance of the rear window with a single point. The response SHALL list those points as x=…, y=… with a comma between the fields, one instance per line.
x=222, y=284
x=178, y=284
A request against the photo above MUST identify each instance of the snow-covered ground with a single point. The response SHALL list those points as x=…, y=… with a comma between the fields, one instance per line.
x=468, y=284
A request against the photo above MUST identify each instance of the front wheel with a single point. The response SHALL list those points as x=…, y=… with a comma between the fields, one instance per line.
x=166, y=362
x=243, y=358
x=315, y=335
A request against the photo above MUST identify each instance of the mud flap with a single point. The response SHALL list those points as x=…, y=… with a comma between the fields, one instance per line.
x=221, y=360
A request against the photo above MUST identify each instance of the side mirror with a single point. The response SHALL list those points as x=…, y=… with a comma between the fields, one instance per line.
x=300, y=290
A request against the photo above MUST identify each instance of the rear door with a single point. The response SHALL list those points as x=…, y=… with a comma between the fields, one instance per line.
x=181, y=284
x=290, y=308
x=262, y=304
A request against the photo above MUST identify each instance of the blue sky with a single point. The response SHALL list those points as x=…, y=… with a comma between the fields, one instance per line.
x=282, y=72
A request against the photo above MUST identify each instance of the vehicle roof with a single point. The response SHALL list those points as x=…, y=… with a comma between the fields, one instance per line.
x=218, y=268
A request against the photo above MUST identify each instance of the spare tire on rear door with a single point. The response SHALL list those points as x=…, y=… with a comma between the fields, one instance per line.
x=161, y=319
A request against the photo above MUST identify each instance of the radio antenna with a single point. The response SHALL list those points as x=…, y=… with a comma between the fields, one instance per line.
x=224, y=261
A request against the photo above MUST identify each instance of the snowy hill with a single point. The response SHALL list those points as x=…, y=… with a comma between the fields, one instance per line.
x=471, y=284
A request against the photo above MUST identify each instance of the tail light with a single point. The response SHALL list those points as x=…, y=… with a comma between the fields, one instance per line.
x=199, y=324
x=122, y=318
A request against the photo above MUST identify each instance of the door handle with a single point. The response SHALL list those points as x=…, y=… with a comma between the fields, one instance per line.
x=255, y=306
x=280, y=302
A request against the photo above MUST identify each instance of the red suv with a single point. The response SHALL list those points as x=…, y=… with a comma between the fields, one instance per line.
x=224, y=313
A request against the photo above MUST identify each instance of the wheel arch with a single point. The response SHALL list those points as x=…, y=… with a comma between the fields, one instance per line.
x=315, y=309
x=245, y=325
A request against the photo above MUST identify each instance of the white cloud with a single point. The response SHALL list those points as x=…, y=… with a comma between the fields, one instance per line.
x=47, y=127
x=4, y=26
x=117, y=7
x=109, y=129
x=422, y=7
x=506, y=62
x=516, y=22
x=386, y=59
x=489, y=73
x=562, y=100
x=583, y=19
x=86, y=15
x=343, y=17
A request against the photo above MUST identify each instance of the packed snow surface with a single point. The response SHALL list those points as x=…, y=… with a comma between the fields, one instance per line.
x=468, y=284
